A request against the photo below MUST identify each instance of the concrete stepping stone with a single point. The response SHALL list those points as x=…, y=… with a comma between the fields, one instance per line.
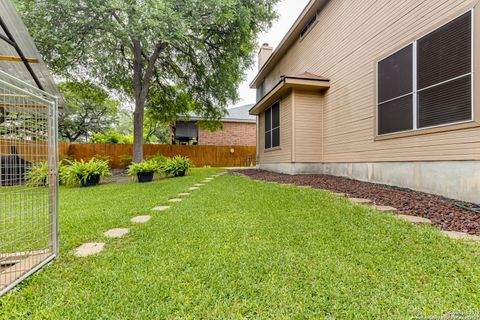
x=183, y=194
x=116, y=233
x=360, y=201
x=206, y=181
x=414, y=219
x=385, y=209
x=193, y=188
x=339, y=194
x=161, y=208
x=461, y=235
x=141, y=219
x=175, y=200
x=88, y=249
x=198, y=185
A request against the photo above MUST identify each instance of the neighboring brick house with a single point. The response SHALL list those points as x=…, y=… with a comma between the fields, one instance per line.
x=239, y=129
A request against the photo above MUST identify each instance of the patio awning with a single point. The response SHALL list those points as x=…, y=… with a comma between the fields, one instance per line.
x=11, y=62
x=305, y=81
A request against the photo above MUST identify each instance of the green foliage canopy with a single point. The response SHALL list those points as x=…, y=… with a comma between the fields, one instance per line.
x=201, y=48
x=90, y=110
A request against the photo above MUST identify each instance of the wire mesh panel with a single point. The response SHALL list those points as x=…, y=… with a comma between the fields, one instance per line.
x=28, y=180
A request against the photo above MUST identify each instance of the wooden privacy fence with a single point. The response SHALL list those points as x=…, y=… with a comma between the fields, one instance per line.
x=215, y=156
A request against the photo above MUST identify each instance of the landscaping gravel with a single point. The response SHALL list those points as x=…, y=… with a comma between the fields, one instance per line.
x=441, y=211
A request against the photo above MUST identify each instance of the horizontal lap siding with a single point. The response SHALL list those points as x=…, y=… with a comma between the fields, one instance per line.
x=343, y=46
x=308, y=126
x=284, y=154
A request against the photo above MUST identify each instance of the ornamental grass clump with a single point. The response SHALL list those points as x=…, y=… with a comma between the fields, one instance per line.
x=37, y=174
x=177, y=166
x=144, y=170
x=86, y=173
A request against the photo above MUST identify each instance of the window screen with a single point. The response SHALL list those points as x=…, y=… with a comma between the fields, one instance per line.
x=395, y=75
x=445, y=74
x=272, y=126
x=442, y=92
x=395, y=92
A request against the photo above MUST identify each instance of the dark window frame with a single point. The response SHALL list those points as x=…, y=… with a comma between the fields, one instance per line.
x=272, y=128
x=416, y=90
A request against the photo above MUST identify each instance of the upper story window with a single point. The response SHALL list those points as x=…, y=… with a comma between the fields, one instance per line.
x=309, y=26
x=260, y=91
x=272, y=126
x=428, y=83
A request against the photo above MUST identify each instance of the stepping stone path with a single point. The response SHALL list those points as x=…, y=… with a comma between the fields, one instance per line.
x=461, y=235
x=206, y=181
x=414, y=219
x=87, y=249
x=116, y=233
x=184, y=194
x=198, y=185
x=141, y=219
x=360, y=201
x=193, y=188
x=161, y=208
x=175, y=200
x=385, y=209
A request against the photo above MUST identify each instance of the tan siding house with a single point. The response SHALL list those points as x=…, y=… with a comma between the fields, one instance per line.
x=381, y=91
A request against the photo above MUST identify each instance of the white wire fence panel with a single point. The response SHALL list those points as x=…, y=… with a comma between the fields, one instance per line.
x=28, y=183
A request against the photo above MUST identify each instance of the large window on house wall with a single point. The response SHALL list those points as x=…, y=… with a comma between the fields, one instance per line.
x=272, y=126
x=428, y=83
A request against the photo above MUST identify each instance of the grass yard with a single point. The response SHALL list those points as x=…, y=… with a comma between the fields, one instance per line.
x=239, y=248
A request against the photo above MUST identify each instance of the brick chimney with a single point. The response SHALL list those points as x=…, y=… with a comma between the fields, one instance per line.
x=263, y=55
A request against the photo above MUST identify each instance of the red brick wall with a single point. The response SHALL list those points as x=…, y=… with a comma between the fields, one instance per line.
x=233, y=134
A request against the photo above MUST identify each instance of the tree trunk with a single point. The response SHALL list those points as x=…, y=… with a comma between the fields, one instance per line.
x=141, y=80
x=138, y=118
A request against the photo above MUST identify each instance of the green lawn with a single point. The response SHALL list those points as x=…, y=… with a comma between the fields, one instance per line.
x=238, y=248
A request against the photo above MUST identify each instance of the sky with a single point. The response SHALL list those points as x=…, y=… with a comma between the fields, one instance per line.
x=288, y=12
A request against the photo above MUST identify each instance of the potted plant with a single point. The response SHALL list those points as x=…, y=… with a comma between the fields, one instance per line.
x=177, y=166
x=37, y=174
x=87, y=173
x=144, y=170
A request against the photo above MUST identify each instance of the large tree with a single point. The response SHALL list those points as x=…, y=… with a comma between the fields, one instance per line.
x=90, y=110
x=201, y=47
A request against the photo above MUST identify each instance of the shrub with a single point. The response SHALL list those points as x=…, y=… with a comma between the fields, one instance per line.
x=81, y=171
x=37, y=174
x=159, y=159
x=143, y=167
x=103, y=157
x=126, y=160
x=177, y=166
x=112, y=136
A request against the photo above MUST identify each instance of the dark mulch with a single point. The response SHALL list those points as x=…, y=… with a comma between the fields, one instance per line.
x=440, y=210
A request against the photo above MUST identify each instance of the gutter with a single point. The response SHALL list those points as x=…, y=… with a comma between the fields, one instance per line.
x=313, y=7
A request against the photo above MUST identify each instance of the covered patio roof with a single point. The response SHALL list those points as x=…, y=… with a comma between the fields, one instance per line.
x=305, y=81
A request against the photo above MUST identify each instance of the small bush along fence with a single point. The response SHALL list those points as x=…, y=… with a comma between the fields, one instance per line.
x=120, y=155
x=88, y=173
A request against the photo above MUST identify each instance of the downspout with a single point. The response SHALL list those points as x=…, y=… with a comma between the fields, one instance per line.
x=293, y=142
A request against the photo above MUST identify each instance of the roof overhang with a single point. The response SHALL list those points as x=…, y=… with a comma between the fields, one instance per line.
x=222, y=120
x=312, y=8
x=285, y=85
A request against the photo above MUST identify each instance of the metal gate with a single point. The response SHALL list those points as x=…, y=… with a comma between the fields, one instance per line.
x=28, y=180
